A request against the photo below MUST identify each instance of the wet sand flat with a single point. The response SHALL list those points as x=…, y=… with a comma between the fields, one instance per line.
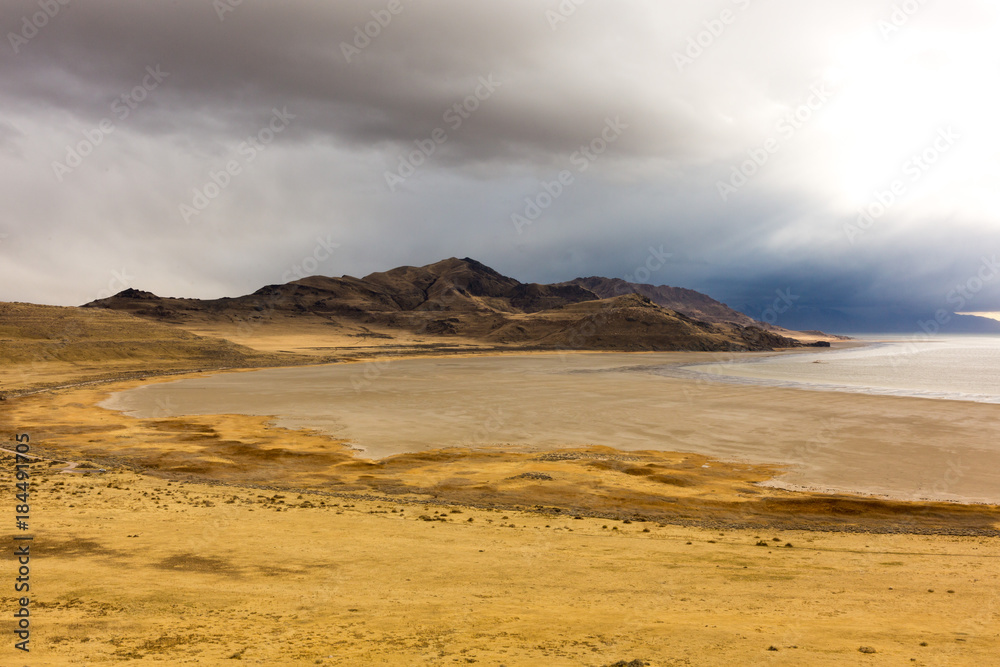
x=905, y=448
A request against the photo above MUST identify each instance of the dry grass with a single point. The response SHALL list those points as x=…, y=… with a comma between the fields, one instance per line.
x=134, y=569
x=45, y=346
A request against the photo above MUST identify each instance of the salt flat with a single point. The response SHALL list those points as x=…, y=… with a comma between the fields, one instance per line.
x=900, y=447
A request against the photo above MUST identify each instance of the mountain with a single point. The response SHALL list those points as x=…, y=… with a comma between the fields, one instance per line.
x=465, y=284
x=631, y=322
x=463, y=297
x=693, y=304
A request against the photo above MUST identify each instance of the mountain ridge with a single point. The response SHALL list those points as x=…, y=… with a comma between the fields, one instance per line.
x=691, y=303
x=464, y=297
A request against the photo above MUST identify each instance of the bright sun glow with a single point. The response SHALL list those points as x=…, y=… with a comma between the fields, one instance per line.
x=922, y=94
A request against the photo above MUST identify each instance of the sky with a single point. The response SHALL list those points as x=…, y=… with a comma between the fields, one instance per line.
x=814, y=164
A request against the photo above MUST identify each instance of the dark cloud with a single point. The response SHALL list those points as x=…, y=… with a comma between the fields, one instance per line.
x=821, y=104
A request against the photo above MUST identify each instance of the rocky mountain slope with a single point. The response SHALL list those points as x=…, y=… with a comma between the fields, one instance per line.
x=462, y=297
x=691, y=303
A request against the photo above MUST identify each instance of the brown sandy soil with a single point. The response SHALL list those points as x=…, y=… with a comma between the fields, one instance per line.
x=813, y=336
x=348, y=562
x=46, y=346
x=130, y=569
x=221, y=538
x=315, y=338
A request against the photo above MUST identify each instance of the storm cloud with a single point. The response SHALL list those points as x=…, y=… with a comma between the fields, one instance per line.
x=841, y=153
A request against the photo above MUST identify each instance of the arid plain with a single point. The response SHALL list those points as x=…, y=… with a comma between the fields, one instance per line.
x=215, y=539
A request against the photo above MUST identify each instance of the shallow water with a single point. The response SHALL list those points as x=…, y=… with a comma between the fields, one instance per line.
x=956, y=368
x=901, y=447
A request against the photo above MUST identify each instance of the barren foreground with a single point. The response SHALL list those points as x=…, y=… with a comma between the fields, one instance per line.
x=216, y=539
x=135, y=569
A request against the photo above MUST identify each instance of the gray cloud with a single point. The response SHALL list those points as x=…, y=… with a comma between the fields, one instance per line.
x=358, y=112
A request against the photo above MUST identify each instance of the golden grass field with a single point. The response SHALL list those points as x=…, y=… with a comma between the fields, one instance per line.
x=222, y=539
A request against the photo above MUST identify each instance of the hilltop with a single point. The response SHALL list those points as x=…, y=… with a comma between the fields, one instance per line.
x=468, y=300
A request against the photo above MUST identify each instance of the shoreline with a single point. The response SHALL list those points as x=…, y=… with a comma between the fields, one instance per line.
x=796, y=459
x=785, y=480
x=693, y=372
x=447, y=555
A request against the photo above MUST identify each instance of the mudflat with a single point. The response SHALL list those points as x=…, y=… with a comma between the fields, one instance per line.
x=896, y=447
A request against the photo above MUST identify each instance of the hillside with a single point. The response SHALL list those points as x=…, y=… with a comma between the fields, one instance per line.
x=464, y=298
x=689, y=302
x=39, y=344
x=631, y=323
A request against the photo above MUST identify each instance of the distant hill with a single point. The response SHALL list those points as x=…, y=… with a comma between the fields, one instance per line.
x=464, y=297
x=693, y=304
x=44, y=346
x=634, y=323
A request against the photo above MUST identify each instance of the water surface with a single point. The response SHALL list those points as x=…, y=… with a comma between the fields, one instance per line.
x=902, y=447
x=955, y=367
